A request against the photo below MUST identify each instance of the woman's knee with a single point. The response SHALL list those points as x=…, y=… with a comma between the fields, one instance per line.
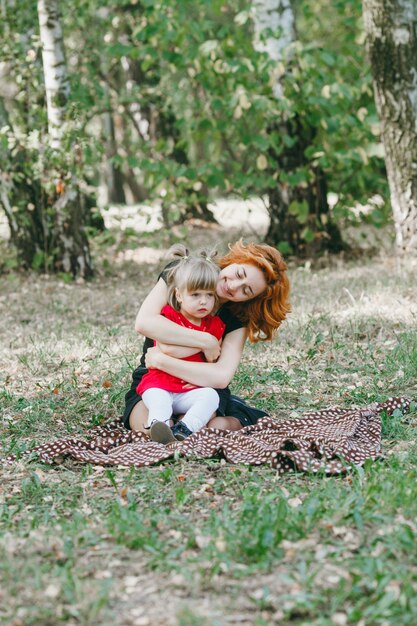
x=224, y=423
x=138, y=418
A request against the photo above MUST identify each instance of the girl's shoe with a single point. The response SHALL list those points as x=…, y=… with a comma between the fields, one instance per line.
x=161, y=433
x=181, y=431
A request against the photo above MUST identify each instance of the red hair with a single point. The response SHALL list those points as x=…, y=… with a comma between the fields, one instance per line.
x=264, y=314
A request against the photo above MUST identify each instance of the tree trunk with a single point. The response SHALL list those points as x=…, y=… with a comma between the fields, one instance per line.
x=391, y=29
x=136, y=189
x=71, y=241
x=313, y=232
x=277, y=15
x=57, y=87
x=199, y=210
x=113, y=175
x=69, y=248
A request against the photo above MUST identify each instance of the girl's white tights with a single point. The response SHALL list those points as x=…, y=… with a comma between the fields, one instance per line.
x=198, y=405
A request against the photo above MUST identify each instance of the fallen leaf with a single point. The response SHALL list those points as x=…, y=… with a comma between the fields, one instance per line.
x=60, y=187
x=339, y=619
x=202, y=541
x=51, y=591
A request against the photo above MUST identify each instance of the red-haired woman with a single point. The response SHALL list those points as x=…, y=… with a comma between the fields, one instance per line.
x=253, y=291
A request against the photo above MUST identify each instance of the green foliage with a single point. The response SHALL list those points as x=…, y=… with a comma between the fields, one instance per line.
x=338, y=87
x=35, y=177
x=194, y=108
x=219, y=93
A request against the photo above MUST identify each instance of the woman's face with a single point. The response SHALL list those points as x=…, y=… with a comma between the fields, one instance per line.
x=239, y=282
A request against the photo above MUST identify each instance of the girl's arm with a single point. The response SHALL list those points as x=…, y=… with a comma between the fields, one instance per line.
x=178, y=352
x=217, y=375
x=151, y=323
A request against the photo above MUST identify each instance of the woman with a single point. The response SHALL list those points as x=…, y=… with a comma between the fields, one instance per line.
x=253, y=290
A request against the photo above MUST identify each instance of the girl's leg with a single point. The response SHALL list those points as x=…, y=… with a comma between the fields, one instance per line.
x=159, y=403
x=198, y=406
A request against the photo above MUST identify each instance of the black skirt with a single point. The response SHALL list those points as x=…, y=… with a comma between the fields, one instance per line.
x=229, y=405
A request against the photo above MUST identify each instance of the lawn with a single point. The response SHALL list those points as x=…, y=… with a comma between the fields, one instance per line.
x=207, y=543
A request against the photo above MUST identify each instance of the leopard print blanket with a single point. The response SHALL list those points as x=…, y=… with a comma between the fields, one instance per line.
x=326, y=441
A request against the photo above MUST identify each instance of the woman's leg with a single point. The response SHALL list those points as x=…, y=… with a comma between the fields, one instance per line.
x=224, y=423
x=139, y=417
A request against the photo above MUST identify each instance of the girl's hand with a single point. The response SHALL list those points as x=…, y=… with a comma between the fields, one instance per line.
x=212, y=351
x=153, y=358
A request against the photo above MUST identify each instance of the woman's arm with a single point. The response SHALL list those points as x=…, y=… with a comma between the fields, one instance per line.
x=217, y=375
x=151, y=323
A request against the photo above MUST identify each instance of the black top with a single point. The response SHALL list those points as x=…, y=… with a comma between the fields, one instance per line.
x=225, y=314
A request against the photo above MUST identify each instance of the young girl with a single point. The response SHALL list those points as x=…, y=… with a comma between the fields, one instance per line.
x=191, y=298
x=253, y=291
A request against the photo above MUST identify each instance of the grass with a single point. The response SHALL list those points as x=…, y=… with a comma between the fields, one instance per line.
x=207, y=543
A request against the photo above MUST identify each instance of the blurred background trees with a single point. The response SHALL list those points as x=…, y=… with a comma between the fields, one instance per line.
x=392, y=44
x=185, y=102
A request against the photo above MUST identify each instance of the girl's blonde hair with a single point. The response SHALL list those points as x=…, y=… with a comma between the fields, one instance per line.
x=265, y=313
x=193, y=273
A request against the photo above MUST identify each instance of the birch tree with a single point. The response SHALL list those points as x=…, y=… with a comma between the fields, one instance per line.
x=276, y=16
x=70, y=249
x=391, y=28
x=299, y=212
x=56, y=78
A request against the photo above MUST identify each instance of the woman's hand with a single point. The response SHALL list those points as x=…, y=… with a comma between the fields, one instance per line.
x=154, y=358
x=213, y=349
x=217, y=375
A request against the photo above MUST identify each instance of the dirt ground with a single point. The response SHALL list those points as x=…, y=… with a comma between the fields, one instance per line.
x=40, y=316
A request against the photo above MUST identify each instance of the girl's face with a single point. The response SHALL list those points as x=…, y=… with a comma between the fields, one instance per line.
x=239, y=282
x=195, y=304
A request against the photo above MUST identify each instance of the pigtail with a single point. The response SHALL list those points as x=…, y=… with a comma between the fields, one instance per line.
x=209, y=255
x=178, y=251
